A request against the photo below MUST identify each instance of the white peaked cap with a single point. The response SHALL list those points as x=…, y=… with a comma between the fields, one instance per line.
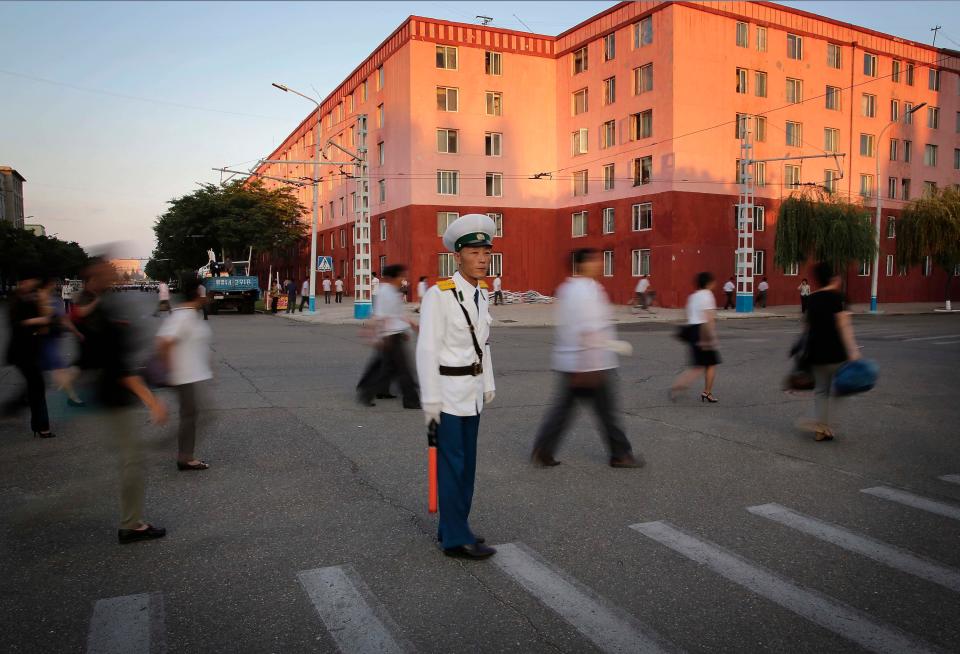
x=471, y=229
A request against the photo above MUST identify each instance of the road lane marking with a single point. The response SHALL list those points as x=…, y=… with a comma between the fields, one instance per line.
x=932, y=338
x=131, y=624
x=952, y=479
x=820, y=609
x=914, y=501
x=609, y=628
x=945, y=342
x=350, y=612
x=881, y=552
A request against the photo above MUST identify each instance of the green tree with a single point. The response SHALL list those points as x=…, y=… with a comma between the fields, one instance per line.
x=930, y=226
x=229, y=219
x=820, y=226
x=24, y=253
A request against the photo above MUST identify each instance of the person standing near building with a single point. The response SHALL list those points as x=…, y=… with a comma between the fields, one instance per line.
x=729, y=288
x=762, y=289
x=701, y=334
x=804, y=289
x=585, y=356
x=291, y=287
x=66, y=295
x=497, y=290
x=304, y=293
x=338, y=287
x=421, y=292
x=326, y=290
x=456, y=377
x=163, y=298
x=27, y=323
x=641, y=292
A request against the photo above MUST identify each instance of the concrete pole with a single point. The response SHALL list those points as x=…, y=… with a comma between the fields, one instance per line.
x=875, y=277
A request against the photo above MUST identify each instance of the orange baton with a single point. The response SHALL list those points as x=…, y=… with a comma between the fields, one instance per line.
x=432, y=466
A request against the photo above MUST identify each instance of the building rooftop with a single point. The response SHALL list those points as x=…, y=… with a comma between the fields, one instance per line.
x=11, y=171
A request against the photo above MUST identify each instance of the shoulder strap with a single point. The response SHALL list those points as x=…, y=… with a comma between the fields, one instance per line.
x=450, y=285
x=446, y=285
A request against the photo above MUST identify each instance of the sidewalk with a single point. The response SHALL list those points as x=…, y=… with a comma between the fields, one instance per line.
x=541, y=315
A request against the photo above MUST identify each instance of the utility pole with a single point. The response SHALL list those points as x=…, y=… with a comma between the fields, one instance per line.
x=362, y=299
x=935, y=30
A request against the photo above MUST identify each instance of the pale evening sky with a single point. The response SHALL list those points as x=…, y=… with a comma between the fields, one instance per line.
x=111, y=109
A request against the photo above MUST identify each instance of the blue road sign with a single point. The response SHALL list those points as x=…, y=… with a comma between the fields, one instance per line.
x=325, y=264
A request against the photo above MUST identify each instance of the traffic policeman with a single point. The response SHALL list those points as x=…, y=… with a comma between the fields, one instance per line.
x=456, y=377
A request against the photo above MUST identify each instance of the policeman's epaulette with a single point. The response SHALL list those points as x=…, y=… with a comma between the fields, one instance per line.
x=446, y=285
x=483, y=284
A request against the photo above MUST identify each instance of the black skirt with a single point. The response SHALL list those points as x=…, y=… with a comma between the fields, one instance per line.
x=701, y=358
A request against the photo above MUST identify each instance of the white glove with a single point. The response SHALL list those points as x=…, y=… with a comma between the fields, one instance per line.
x=431, y=413
x=488, y=396
x=623, y=348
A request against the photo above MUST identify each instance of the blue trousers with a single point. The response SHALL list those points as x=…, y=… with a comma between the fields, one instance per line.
x=456, y=471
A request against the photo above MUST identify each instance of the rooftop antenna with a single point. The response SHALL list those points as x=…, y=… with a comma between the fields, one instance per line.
x=935, y=30
x=522, y=23
x=485, y=20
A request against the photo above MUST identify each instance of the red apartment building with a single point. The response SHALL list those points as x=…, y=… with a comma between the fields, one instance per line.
x=621, y=134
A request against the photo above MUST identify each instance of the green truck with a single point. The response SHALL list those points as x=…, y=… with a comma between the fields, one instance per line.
x=230, y=291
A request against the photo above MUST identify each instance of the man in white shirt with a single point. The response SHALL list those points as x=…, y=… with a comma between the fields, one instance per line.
x=326, y=290
x=456, y=377
x=304, y=293
x=374, y=284
x=641, y=291
x=729, y=288
x=762, y=287
x=202, y=293
x=66, y=294
x=585, y=354
x=163, y=303
x=421, y=291
x=390, y=360
x=497, y=290
x=338, y=287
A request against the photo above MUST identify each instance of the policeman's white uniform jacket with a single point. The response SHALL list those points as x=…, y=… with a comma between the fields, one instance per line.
x=445, y=340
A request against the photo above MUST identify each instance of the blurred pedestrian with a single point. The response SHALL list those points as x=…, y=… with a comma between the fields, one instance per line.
x=762, y=289
x=274, y=297
x=404, y=288
x=291, y=288
x=66, y=295
x=830, y=342
x=585, y=356
x=641, y=292
x=163, y=298
x=456, y=377
x=304, y=294
x=804, y=289
x=50, y=357
x=421, y=292
x=338, y=287
x=202, y=292
x=107, y=348
x=701, y=334
x=183, y=344
x=729, y=287
x=326, y=290
x=374, y=285
x=27, y=323
x=497, y=290
x=392, y=327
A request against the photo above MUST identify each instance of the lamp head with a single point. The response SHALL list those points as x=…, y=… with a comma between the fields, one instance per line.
x=280, y=86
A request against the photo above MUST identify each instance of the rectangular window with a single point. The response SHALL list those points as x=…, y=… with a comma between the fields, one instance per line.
x=894, y=149
x=742, y=81
x=642, y=170
x=895, y=73
x=929, y=188
x=383, y=262
x=792, y=269
x=579, y=223
x=863, y=270
x=889, y=270
x=892, y=188
x=494, y=103
x=640, y=260
x=930, y=155
x=927, y=266
x=743, y=35
x=380, y=154
x=447, y=264
x=869, y=64
x=497, y=219
x=383, y=229
x=831, y=139
x=641, y=125
x=643, y=79
x=448, y=182
x=833, y=55
x=379, y=115
x=759, y=219
x=958, y=116
x=608, y=177
x=494, y=185
x=609, y=220
x=891, y=225
x=868, y=105
x=380, y=78
x=496, y=264
x=907, y=151
x=608, y=263
x=956, y=158
x=580, y=60
x=447, y=98
x=866, y=185
x=933, y=81
x=832, y=98
x=447, y=141
x=382, y=190
x=446, y=57
x=904, y=189
x=794, y=90
x=794, y=134
x=579, y=141
x=610, y=46
x=580, y=102
x=493, y=144
x=894, y=110
x=608, y=134
x=349, y=103
x=760, y=173
x=580, y=180
x=609, y=90
x=342, y=207
x=830, y=180
x=643, y=32
x=740, y=126
x=492, y=63
x=343, y=238
x=759, y=262
x=363, y=91
x=907, y=113
x=760, y=84
x=933, y=117
x=444, y=219
x=909, y=74
x=760, y=127
x=866, y=145
x=761, y=39
x=791, y=175
x=642, y=217
x=794, y=46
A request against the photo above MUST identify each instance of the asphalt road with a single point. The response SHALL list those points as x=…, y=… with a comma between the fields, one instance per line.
x=310, y=531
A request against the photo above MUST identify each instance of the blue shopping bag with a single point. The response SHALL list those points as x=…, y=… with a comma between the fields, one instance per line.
x=855, y=377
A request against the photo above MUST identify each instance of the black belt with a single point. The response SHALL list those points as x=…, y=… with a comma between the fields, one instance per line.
x=462, y=371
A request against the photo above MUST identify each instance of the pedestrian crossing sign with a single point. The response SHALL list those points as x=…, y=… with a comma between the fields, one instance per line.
x=325, y=264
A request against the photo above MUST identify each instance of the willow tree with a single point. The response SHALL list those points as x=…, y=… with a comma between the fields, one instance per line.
x=820, y=226
x=930, y=226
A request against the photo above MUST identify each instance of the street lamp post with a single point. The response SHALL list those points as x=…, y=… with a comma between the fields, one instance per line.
x=316, y=197
x=876, y=231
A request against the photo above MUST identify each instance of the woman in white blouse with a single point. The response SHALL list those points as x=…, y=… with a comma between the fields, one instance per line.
x=701, y=334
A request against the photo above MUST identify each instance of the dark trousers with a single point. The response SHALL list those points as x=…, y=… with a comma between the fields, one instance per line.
x=187, y=432
x=203, y=308
x=304, y=299
x=730, y=303
x=803, y=304
x=498, y=297
x=392, y=363
x=36, y=395
x=273, y=304
x=339, y=297
x=456, y=472
x=370, y=381
x=762, y=299
x=326, y=297
x=291, y=303
x=600, y=394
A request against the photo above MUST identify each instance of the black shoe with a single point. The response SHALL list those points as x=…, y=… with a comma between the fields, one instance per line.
x=201, y=465
x=125, y=536
x=44, y=434
x=480, y=539
x=628, y=461
x=476, y=551
x=77, y=403
x=386, y=396
x=412, y=405
x=542, y=460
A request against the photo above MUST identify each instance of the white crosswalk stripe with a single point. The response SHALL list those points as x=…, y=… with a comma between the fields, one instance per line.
x=131, y=624
x=351, y=614
x=881, y=552
x=914, y=501
x=931, y=338
x=609, y=628
x=951, y=479
x=820, y=609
